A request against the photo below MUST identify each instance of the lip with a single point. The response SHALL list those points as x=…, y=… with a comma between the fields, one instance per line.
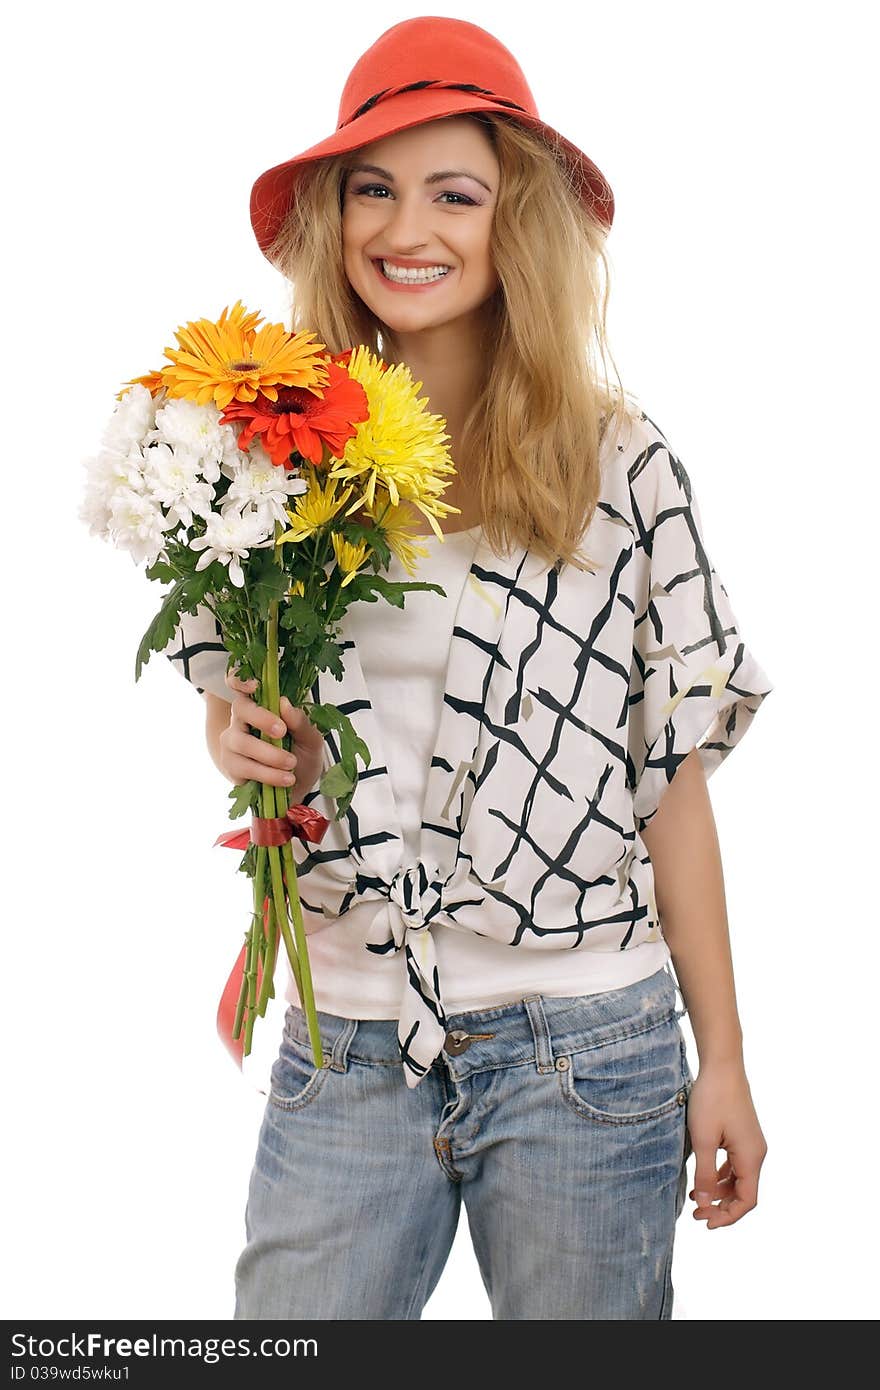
x=410, y=289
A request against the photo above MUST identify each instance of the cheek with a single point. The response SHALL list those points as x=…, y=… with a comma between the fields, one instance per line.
x=352, y=227
x=479, y=255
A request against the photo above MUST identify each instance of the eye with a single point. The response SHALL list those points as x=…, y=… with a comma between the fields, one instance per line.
x=368, y=187
x=465, y=200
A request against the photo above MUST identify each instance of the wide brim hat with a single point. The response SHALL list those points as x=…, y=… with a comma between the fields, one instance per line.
x=417, y=71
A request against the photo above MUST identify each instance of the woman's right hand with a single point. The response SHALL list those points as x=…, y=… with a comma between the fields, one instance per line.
x=245, y=756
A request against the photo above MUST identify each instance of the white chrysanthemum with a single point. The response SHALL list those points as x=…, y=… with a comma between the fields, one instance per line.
x=137, y=525
x=228, y=539
x=113, y=471
x=184, y=425
x=261, y=485
x=132, y=420
x=174, y=479
x=94, y=509
x=108, y=475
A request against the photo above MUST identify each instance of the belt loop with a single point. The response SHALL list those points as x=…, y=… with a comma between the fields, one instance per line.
x=339, y=1055
x=541, y=1032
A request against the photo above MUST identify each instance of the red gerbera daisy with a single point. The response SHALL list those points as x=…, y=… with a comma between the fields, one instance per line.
x=301, y=420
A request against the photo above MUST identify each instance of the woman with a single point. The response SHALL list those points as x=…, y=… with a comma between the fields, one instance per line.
x=535, y=1069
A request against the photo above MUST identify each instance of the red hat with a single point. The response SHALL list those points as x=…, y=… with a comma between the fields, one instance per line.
x=417, y=71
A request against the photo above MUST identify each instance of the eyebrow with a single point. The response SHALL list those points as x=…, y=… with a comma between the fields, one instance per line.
x=437, y=177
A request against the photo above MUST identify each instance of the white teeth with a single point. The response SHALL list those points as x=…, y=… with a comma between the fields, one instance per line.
x=414, y=275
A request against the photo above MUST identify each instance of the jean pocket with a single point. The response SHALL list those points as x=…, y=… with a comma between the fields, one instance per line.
x=295, y=1080
x=629, y=1079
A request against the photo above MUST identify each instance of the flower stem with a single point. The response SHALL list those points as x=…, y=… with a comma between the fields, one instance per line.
x=306, y=991
x=297, y=952
x=255, y=942
x=267, y=990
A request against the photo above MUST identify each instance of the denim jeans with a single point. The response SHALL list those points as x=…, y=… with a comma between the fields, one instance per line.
x=564, y=1130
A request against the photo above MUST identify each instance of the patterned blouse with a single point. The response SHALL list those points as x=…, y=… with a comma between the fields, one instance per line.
x=571, y=699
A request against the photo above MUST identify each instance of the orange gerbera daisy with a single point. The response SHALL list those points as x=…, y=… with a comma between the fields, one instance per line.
x=233, y=360
x=299, y=420
x=152, y=380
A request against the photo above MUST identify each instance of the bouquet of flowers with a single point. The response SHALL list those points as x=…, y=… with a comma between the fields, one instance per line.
x=268, y=481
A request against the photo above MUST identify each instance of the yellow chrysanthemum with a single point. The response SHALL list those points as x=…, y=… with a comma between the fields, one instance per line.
x=349, y=556
x=313, y=509
x=396, y=523
x=233, y=360
x=296, y=589
x=400, y=447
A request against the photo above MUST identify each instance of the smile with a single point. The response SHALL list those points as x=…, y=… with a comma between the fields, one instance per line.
x=411, y=279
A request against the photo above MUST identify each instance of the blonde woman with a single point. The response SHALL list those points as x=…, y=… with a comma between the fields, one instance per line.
x=493, y=924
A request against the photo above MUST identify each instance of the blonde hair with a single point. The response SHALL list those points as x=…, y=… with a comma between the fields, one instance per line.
x=532, y=437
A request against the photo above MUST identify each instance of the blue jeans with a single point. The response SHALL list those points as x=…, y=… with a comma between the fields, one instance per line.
x=564, y=1130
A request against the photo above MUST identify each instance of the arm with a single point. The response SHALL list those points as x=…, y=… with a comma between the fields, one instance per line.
x=216, y=720
x=682, y=841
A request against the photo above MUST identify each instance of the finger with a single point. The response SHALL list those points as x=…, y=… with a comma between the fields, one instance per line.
x=236, y=683
x=705, y=1173
x=246, y=770
x=261, y=750
x=733, y=1205
x=247, y=712
x=721, y=1188
x=727, y=1215
x=304, y=732
x=295, y=718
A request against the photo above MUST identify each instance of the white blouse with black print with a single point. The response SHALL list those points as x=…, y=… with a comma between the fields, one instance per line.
x=565, y=703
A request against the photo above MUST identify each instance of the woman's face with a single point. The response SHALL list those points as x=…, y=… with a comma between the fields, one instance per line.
x=399, y=209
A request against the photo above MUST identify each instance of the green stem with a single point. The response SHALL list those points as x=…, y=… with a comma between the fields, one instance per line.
x=254, y=943
x=267, y=988
x=298, y=951
x=306, y=991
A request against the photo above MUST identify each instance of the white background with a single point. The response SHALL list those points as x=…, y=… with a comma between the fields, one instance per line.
x=743, y=314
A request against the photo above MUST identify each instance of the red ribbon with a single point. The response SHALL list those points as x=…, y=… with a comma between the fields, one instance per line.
x=302, y=821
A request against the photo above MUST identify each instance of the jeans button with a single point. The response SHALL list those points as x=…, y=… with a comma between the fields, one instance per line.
x=562, y=1064
x=457, y=1040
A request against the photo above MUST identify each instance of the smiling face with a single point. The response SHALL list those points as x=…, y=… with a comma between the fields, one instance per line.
x=427, y=198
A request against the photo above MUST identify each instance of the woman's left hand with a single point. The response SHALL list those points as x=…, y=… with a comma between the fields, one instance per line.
x=721, y=1115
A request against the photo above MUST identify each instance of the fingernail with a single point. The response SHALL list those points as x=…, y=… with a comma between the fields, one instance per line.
x=704, y=1196
x=278, y=728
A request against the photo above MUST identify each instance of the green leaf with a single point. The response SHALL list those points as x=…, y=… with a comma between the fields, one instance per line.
x=165, y=573
x=336, y=782
x=301, y=624
x=244, y=797
x=162, y=628
x=370, y=587
x=328, y=657
x=327, y=717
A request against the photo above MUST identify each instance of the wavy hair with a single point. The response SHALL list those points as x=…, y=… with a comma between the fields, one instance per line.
x=533, y=434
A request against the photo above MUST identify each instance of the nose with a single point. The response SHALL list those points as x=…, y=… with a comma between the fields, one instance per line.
x=405, y=227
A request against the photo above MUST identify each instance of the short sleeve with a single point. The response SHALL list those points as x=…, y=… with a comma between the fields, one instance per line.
x=198, y=653
x=694, y=683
